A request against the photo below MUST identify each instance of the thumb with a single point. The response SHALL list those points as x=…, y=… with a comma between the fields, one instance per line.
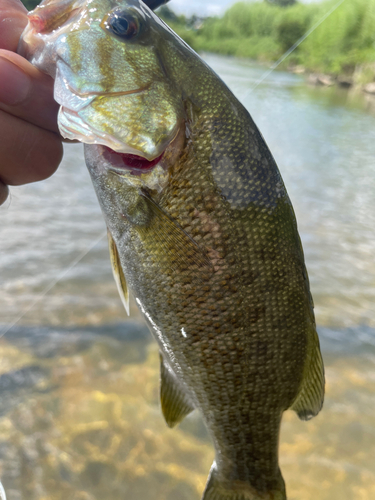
x=13, y=19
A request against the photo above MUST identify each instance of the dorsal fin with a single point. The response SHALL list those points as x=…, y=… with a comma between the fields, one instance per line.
x=311, y=395
x=118, y=272
x=174, y=402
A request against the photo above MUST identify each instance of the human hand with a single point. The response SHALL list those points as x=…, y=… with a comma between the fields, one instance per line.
x=30, y=146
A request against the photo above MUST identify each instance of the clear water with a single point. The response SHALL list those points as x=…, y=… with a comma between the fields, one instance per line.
x=79, y=414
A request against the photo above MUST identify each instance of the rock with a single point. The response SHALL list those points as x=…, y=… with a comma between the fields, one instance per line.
x=50, y=342
x=345, y=81
x=325, y=80
x=320, y=79
x=369, y=88
x=298, y=70
x=24, y=378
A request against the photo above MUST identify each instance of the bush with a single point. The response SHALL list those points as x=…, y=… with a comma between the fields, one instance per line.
x=282, y=3
x=263, y=31
x=289, y=32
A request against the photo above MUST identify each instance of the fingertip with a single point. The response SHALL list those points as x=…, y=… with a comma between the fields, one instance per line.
x=13, y=19
x=28, y=153
x=4, y=192
x=26, y=92
x=42, y=157
x=51, y=153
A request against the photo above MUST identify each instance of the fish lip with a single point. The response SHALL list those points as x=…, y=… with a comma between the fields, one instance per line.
x=91, y=135
x=71, y=121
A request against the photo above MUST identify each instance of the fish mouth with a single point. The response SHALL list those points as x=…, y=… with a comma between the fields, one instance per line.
x=72, y=126
x=122, y=162
x=76, y=120
x=136, y=164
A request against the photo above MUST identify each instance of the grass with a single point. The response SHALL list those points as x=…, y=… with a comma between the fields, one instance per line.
x=340, y=45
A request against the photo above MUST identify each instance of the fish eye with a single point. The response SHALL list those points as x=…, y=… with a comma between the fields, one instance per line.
x=122, y=24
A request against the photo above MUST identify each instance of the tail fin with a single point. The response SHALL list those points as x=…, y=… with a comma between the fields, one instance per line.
x=238, y=490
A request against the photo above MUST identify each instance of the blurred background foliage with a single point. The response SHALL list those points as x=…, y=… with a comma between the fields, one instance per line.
x=264, y=30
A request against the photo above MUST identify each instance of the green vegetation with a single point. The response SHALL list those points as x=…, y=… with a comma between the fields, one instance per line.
x=283, y=3
x=344, y=42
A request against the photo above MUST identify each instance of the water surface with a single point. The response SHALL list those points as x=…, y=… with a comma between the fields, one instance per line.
x=79, y=412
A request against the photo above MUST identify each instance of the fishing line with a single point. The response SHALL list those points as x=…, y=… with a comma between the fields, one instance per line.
x=293, y=47
x=2, y=492
x=49, y=288
x=85, y=252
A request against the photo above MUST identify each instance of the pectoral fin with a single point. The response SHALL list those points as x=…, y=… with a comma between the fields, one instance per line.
x=174, y=403
x=171, y=247
x=118, y=273
x=310, y=398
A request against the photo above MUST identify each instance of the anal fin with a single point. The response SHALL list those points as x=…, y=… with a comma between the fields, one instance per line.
x=311, y=395
x=174, y=402
x=118, y=273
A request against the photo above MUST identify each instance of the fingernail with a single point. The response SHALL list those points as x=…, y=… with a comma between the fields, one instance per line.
x=14, y=83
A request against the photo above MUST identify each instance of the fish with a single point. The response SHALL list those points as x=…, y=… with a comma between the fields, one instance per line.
x=201, y=229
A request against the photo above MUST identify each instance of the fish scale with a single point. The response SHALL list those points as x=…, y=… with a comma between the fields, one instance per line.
x=220, y=367
x=204, y=237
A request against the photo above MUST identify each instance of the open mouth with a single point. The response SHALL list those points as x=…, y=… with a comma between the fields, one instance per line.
x=124, y=161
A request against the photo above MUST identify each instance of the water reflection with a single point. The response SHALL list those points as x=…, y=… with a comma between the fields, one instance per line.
x=79, y=412
x=82, y=420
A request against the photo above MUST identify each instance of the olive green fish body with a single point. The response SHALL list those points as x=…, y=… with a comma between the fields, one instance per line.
x=232, y=319
x=205, y=238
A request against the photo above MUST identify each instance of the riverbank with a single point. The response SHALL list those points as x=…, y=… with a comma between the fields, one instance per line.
x=356, y=82
x=341, y=48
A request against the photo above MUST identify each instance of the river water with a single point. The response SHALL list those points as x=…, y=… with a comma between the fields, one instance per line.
x=79, y=411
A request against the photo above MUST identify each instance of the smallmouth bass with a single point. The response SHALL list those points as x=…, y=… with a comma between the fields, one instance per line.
x=201, y=229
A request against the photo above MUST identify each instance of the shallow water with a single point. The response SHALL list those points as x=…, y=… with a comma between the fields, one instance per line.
x=79, y=414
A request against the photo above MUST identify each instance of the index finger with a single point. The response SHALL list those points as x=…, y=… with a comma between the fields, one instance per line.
x=12, y=22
